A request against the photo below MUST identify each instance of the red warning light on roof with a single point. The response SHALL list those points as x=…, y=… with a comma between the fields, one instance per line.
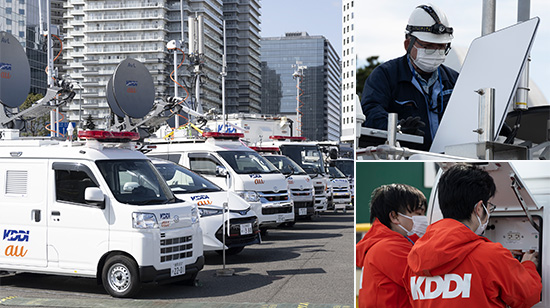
x=108, y=136
x=291, y=138
x=265, y=149
x=217, y=135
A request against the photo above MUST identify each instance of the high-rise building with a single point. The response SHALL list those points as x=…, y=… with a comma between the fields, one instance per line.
x=243, y=83
x=100, y=34
x=21, y=19
x=348, y=72
x=319, y=102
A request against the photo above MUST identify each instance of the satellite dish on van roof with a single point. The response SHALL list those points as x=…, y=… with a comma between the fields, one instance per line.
x=133, y=88
x=15, y=81
x=111, y=99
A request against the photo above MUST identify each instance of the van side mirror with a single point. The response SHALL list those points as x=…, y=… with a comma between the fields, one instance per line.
x=221, y=171
x=94, y=195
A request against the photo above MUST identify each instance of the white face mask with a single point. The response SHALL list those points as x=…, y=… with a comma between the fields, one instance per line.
x=428, y=62
x=420, y=223
x=481, y=228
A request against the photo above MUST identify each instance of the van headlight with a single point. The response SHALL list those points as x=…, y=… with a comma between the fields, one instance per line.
x=249, y=195
x=209, y=212
x=144, y=220
x=194, y=215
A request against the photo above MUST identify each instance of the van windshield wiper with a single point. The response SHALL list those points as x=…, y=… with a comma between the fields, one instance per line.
x=204, y=189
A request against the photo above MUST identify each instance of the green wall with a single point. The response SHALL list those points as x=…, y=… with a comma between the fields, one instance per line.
x=370, y=175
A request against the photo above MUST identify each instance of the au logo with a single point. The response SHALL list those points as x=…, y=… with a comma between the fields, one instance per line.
x=5, y=75
x=131, y=86
x=15, y=251
x=258, y=181
x=204, y=202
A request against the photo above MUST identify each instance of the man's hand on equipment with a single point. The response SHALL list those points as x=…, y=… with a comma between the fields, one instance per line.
x=412, y=126
x=531, y=255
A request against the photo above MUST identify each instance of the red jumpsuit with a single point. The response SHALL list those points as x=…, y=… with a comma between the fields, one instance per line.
x=451, y=266
x=382, y=255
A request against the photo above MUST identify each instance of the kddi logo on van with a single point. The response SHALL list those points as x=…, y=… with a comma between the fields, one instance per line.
x=202, y=199
x=449, y=286
x=257, y=178
x=15, y=236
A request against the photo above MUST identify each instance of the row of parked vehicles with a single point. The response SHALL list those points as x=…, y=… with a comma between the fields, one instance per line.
x=99, y=208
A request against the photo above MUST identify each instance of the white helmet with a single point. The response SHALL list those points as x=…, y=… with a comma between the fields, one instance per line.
x=430, y=24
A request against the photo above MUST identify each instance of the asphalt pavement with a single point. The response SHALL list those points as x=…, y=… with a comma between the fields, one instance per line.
x=308, y=265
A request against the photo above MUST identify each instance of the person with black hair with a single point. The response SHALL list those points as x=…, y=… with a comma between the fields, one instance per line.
x=416, y=86
x=398, y=212
x=453, y=265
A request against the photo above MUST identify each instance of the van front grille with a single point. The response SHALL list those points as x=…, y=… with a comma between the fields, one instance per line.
x=176, y=248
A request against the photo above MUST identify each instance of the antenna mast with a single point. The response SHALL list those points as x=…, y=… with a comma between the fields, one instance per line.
x=299, y=76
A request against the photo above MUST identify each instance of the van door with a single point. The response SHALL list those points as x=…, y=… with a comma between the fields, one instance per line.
x=78, y=231
x=206, y=164
x=23, y=223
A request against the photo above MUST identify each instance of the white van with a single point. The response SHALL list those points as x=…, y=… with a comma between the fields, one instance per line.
x=252, y=177
x=299, y=183
x=189, y=186
x=520, y=219
x=308, y=156
x=94, y=209
x=339, y=190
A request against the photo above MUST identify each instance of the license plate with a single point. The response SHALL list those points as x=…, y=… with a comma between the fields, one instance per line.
x=178, y=268
x=302, y=211
x=280, y=218
x=246, y=229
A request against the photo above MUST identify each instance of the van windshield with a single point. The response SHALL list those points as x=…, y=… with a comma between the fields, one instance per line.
x=346, y=166
x=285, y=165
x=336, y=173
x=183, y=180
x=247, y=162
x=307, y=156
x=135, y=182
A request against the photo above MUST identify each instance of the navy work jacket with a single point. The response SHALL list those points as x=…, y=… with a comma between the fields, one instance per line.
x=392, y=88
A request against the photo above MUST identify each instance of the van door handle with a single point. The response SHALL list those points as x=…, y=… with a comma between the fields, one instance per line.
x=35, y=215
x=56, y=215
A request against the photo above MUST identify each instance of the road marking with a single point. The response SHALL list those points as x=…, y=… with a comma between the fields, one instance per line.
x=7, y=298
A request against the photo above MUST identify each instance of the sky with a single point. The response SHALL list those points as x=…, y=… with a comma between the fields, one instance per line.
x=316, y=17
x=389, y=18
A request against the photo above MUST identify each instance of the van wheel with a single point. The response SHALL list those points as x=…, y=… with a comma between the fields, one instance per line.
x=120, y=276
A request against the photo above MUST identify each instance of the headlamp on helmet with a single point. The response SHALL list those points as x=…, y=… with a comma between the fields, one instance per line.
x=429, y=24
x=437, y=28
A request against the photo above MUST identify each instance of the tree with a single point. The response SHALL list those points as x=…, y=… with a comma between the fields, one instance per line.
x=89, y=123
x=36, y=126
x=365, y=71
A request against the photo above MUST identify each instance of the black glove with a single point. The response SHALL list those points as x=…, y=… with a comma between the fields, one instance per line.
x=412, y=126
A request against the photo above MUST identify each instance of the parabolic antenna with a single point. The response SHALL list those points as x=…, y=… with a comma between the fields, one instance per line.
x=133, y=88
x=15, y=72
x=111, y=99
